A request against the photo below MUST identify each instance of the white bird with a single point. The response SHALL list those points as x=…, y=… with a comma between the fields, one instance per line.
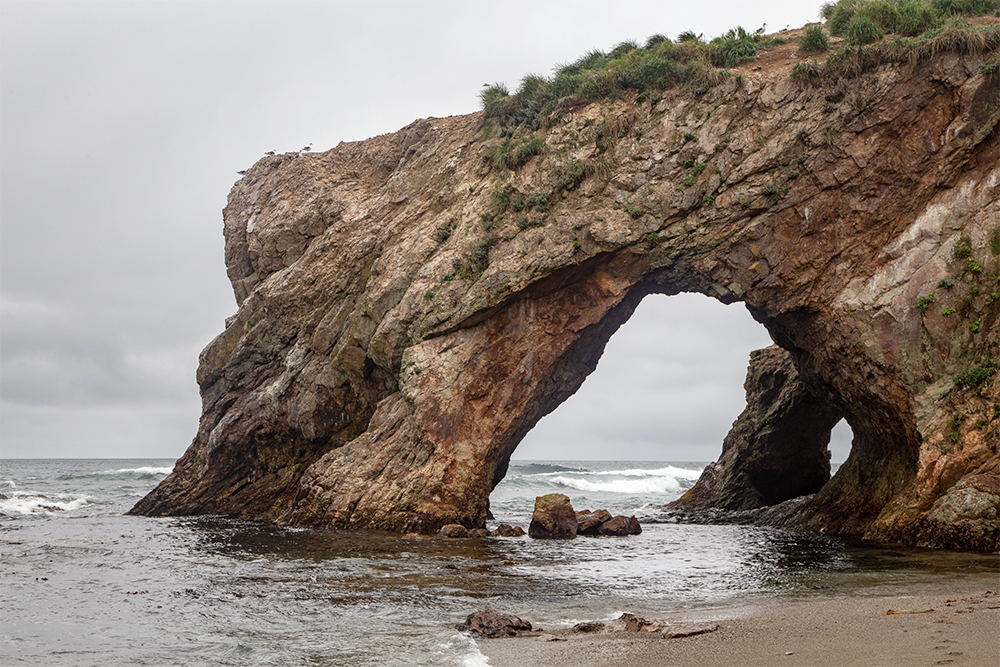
x=307, y=148
x=760, y=30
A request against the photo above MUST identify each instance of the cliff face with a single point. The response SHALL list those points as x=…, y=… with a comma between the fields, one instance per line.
x=407, y=312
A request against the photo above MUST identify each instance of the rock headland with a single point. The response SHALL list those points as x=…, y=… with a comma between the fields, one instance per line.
x=410, y=307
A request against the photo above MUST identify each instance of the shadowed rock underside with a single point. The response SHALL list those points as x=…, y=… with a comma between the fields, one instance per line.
x=407, y=313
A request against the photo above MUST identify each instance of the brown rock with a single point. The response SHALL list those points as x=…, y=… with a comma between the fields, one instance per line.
x=506, y=530
x=360, y=383
x=589, y=523
x=588, y=626
x=491, y=623
x=454, y=530
x=478, y=532
x=620, y=525
x=553, y=518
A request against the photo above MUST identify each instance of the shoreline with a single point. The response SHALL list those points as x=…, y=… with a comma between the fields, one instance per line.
x=925, y=628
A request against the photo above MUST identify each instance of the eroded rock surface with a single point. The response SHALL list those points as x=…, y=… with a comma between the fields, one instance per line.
x=778, y=447
x=406, y=314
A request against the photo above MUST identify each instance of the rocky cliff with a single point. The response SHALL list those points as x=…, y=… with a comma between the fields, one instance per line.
x=411, y=305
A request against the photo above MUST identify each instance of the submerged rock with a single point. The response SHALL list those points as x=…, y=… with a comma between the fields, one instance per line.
x=506, y=530
x=553, y=518
x=454, y=530
x=491, y=623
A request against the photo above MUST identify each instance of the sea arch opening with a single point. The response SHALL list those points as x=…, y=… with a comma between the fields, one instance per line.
x=669, y=387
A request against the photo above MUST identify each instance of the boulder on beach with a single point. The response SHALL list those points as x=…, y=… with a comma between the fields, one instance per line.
x=489, y=623
x=588, y=626
x=553, y=518
x=668, y=630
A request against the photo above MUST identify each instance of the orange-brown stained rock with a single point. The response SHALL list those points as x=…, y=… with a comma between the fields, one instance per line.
x=553, y=518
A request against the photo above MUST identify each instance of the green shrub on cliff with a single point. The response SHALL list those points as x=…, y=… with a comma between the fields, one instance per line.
x=814, y=40
x=628, y=69
x=901, y=17
x=976, y=376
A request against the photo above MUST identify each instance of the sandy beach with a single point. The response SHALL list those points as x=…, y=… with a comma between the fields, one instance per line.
x=932, y=629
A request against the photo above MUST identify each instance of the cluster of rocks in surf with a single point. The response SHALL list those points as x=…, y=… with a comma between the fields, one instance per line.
x=555, y=519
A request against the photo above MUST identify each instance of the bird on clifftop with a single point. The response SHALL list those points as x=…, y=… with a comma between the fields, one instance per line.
x=241, y=173
x=760, y=30
x=269, y=153
x=307, y=148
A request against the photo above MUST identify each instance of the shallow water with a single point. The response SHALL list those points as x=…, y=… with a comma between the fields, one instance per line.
x=82, y=584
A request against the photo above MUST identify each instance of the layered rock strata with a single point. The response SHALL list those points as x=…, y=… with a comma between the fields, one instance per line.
x=408, y=312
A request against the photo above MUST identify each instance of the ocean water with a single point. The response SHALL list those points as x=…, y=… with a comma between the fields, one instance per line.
x=81, y=584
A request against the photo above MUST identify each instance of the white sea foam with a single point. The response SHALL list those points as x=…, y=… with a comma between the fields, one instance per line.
x=143, y=470
x=470, y=656
x=665, y=484
x=671, y=471
x=33, y=503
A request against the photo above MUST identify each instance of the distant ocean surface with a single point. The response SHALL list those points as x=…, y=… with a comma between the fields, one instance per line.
x=81, y=584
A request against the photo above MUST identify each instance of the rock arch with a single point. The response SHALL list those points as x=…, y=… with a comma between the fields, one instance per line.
x=407, y=313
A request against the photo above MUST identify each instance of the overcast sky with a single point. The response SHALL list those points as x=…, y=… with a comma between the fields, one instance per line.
x=122, y=127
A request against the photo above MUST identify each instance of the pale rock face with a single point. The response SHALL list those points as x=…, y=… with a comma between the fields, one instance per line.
x=406, y=314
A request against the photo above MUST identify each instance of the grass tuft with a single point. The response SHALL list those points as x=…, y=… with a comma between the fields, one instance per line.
x=814, y=40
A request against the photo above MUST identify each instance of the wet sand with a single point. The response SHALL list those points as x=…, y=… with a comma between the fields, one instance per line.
x=958, y=629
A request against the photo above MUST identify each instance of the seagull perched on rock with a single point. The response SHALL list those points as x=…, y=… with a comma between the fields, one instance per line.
x=760, y=30
x=241, y=173
x=269, y=153
x=307, y=149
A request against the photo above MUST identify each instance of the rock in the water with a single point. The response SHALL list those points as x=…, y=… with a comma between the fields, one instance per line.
x=478, y=532
x=454, y=530
x=620, y=525
x=491, y=623
x=506, y=530
x=553, y=518
x=589, y=523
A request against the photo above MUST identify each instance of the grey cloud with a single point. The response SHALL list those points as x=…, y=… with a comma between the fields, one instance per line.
x=123, y=127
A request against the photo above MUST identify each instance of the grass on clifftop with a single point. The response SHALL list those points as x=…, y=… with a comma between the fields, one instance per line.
x=882, y=32
x=877, y=32
x=646, y=70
